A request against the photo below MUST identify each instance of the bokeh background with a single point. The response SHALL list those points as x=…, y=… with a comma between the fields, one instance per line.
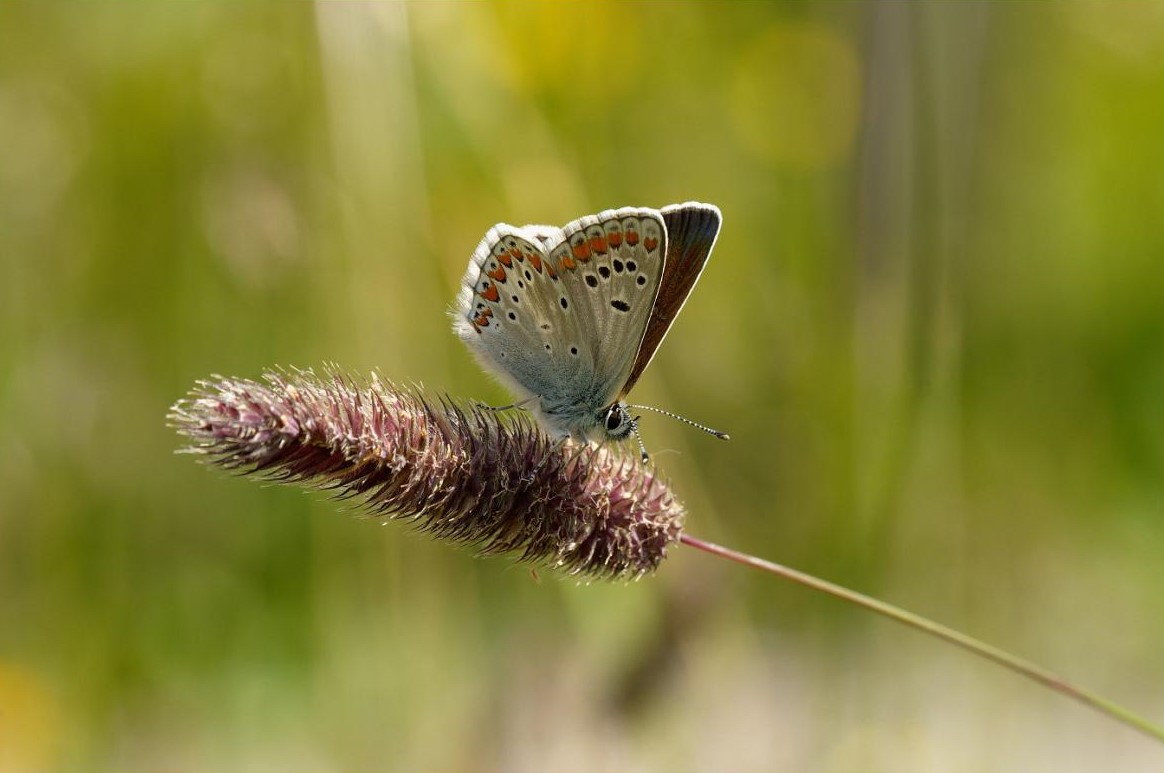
x=933, y=324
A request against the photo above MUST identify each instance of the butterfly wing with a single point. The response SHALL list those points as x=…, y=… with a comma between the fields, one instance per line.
x=559, y=314
x=516, y=315
x=691, y=230
x=612, y=262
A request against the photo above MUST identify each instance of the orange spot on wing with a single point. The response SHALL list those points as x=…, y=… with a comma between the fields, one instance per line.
x=506, y=259
x=550, y=270
x=598, y=244
x=497, y=273
x=650, y=244
x=568, y=263
x=490, y=293
x=481, y=320
x=536, y=261
x=632, y=238
x=582, y=251
x=615, y=239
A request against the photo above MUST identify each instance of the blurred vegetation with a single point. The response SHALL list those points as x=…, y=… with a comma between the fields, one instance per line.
x=933, y=324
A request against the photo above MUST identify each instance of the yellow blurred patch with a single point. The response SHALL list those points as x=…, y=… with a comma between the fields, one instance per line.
x=28, y=721
x=552, y=47
x=796, y=96
x=1130, y=29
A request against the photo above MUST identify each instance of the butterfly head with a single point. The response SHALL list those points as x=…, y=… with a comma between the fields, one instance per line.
x=616, y=421
x=618, y=424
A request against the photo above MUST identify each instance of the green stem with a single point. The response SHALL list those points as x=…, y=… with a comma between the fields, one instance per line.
x=1002, y=658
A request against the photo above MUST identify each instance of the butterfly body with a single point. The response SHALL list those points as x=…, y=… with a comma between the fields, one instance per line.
x=568, y=318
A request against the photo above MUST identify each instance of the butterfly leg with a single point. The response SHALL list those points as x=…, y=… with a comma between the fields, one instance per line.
x=553, y=455
x=581, y=446
x=511, y=406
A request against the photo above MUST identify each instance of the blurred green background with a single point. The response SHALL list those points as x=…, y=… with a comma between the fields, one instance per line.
x=933, y=324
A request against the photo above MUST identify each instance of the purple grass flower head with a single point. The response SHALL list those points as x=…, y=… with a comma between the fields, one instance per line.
x=461, y=472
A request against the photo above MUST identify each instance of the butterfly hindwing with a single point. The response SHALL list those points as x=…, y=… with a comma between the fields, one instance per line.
x=515, y=314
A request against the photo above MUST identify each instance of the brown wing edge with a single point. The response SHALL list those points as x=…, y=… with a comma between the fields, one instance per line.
x=691, y=232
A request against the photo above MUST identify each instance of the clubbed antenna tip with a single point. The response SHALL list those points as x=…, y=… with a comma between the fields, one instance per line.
x=460, y=472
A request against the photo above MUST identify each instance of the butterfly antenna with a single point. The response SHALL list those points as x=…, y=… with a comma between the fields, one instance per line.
x=638, y=438
x=685, y=420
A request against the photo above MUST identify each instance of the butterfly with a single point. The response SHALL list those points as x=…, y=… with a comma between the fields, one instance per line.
x=569, y=318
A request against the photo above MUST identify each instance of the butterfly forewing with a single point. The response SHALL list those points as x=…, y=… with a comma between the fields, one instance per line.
x=611, y=262
x=691, y=230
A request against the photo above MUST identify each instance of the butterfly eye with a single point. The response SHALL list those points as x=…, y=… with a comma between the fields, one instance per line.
x=617, y=422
